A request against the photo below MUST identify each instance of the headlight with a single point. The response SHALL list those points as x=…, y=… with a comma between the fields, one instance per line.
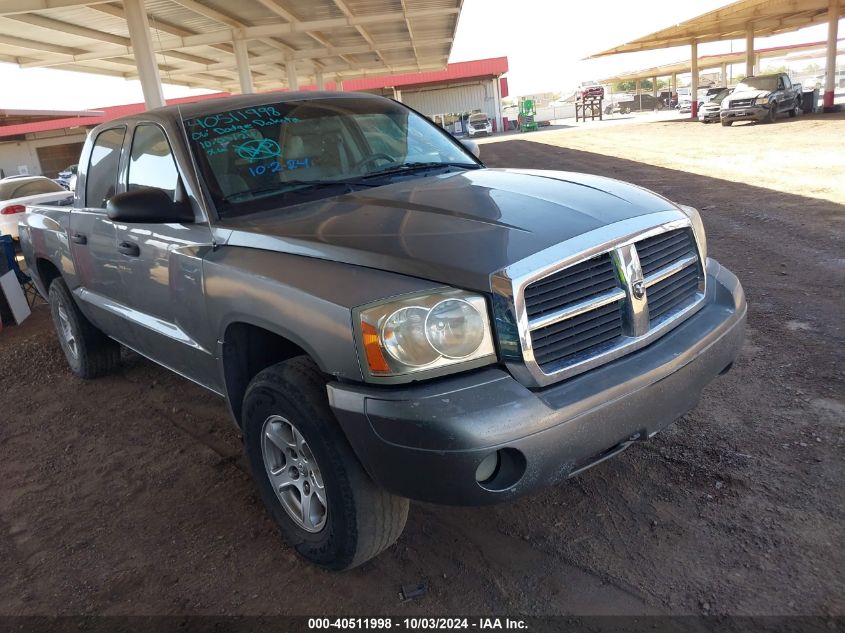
x=697, y=228
x=425, y=333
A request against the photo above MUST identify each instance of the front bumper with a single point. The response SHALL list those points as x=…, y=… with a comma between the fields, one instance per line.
x=426, y=441
x=709, y=115
x=748, y=113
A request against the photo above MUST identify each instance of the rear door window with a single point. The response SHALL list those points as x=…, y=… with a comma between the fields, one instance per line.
x=101, y=179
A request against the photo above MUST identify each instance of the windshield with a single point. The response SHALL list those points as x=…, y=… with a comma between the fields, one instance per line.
x=719, y=96
x=768, y=83
x=284, y=153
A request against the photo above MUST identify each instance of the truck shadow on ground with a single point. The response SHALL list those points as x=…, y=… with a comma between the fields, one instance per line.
x=128, y=494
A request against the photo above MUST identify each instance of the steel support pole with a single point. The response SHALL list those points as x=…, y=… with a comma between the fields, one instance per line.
x=749, y=51
x=242, y=60
x=142, y=50
x=293, y=79
x=830, y=65
x=319, y=81
x=723, y=75
x=694, y=82
x=654, y=86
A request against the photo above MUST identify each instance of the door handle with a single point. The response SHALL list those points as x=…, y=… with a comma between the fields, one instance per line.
x=78, y=238
x=129, y=248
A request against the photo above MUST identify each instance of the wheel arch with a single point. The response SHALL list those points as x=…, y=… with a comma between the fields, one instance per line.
x=246, y=348
x=45, y=272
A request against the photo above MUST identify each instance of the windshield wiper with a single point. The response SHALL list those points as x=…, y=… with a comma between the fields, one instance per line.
x=406, y=168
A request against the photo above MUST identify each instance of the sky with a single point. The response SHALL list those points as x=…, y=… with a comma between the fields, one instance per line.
x=545, y=42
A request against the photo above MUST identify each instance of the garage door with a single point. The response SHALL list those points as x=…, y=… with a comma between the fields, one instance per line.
x=55, y=158
x=453, y=99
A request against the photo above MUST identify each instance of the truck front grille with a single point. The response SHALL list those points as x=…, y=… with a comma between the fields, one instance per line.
x=664, y=249
x=586, y=313
x=590, y=292
x=741, y=103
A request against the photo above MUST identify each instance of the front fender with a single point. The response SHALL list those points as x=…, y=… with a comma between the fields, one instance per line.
x=306, y=300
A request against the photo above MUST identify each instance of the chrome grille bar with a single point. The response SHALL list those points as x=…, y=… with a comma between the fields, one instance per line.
x=576, y=309
x=671, y=269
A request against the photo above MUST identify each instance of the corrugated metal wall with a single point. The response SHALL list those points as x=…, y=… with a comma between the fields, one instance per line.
x=453, y=99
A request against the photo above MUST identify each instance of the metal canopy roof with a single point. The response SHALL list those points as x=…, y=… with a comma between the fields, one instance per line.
x=193, y=40
x=765, y=17
x=715, y=61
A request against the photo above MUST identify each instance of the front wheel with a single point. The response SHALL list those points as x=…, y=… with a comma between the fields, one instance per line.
x=311, y=482
x=726, y=122
x=773, y=113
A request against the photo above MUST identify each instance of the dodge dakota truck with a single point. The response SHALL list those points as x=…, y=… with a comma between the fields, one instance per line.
x=761, y=98
x=386, y=318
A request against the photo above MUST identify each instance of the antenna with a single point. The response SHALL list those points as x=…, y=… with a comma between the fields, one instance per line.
x=200, y=190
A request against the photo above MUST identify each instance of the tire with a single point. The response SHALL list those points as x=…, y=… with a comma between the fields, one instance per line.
x=358, y=520
x=89, y=352
x=772, y=115
x=726, y=122
x=796, y=110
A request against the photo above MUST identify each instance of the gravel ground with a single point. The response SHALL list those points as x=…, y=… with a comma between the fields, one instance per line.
x=128, y=495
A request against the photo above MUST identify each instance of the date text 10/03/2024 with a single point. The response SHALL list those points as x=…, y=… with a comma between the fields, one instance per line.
x=417, y=623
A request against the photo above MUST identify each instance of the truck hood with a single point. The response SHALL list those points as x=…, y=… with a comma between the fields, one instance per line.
x=747, y=94
x=455, y=229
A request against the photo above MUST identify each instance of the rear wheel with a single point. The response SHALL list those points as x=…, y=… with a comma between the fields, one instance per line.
x=311, y=482
x=794, y=112
x=89, y=352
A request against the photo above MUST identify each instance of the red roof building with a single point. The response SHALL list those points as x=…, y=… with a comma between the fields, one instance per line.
x=47, y=145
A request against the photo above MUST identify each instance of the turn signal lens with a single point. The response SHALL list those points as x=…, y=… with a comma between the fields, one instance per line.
x=12, y=209
x=375, y=359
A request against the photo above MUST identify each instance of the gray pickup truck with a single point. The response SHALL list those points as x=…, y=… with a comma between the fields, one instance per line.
x=386, y=318
x=762, y=98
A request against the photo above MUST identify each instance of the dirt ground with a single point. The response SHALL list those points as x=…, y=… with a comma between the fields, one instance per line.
x=128, y=495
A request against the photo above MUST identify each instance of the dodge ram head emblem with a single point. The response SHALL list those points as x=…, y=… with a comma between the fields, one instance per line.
x=638, y=288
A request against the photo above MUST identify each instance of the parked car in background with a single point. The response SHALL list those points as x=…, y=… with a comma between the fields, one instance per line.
x=590, y=90
x=641, y=103
x=67, y=177
x=479, y=123
x=709, y=110
x=16, y=192
x=762, y=98
x=386, y=320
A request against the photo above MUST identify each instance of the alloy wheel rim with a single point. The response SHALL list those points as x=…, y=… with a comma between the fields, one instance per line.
x=293, y=473
x=67, y=331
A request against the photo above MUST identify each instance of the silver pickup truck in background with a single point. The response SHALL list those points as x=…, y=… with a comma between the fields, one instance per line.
x=762, y=98
x=386, y=318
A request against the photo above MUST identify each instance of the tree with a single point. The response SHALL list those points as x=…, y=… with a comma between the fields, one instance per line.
x=771, y=70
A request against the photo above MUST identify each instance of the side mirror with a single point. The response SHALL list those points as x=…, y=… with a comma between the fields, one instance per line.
x=472, y=146
x=147, y=205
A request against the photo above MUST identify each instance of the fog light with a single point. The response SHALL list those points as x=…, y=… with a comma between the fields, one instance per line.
x=487, y=468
